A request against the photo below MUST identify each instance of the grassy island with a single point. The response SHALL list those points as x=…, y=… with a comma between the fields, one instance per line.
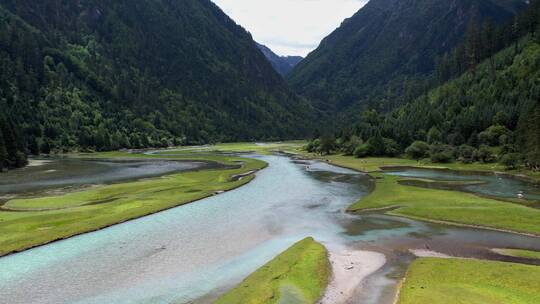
x=451, y=207
x=298, y=275
x=519, y=253
x=30, y=222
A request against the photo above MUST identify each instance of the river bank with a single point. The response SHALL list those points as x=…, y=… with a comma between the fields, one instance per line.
x=74, y=213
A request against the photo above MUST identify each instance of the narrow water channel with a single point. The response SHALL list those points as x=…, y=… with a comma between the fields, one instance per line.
x=193, y=253
x=55, y=173
x=489, y=184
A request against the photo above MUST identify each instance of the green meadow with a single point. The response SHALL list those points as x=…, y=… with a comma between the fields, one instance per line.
x=453, y=281
x=519, y=253
x=298, y=275
x=450, y=207
x=40, y=220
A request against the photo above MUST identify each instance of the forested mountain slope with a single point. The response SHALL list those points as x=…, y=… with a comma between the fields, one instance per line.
x=499, y=109
x=98, y=74
x=385, y=54
x=486, y=109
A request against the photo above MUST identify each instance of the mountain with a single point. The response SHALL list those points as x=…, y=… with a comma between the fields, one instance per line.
x=282, y=64
x=385, y=54
x=486, y=107
x=96, y=74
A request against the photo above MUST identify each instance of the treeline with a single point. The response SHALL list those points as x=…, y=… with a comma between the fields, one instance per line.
x=12, y=150
x=491, y=113
x=482, y=41
x=98, y=76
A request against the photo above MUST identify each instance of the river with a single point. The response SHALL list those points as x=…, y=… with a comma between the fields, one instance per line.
x=193, y=253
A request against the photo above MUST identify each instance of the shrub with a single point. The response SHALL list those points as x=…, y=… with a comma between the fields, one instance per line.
x=363, y=150
x=441, y=153
x=510, y=161
x=466, y=153
x=313, y=146
x=485, y=155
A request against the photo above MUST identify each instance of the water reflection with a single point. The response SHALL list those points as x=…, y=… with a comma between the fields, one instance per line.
x=496, y=185
x=64, y=172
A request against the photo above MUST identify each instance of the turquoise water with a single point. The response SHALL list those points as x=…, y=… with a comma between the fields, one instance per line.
x=193, y=253
x=494, y=184
x=187, y=252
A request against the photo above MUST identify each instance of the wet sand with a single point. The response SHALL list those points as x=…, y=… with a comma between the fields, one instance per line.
x=349, y=270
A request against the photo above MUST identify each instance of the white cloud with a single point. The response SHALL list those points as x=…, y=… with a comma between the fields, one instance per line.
x=290, y=27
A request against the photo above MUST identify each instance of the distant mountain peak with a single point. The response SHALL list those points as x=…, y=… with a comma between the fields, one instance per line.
x=282, y=64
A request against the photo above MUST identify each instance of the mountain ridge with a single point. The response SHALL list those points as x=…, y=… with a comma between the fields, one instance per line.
x=387, y=50
x=282, y=64
x=98, y=75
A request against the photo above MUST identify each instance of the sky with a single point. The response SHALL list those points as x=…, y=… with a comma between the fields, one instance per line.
x=290, y=27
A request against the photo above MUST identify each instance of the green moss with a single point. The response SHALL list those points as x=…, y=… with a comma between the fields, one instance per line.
x=451, y=281
x=519, y=253
x=448, y=206
x=300, y=273
x=46, y=219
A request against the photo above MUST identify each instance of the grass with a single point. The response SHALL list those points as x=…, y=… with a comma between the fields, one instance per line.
x=519, y=253
x=374, y=164
x=458, y=281
x=302, y=270
x=261, y=148
x=95, y=208
x=448, y=206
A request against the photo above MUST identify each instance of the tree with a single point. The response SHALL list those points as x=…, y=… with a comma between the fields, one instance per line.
x=3, y=152
x=417, y=150
x=493, y=136
x=377, y=145
x=391, y=147
x=350, y=146
x=473, y=45
x=434, y=135
x=328, y=144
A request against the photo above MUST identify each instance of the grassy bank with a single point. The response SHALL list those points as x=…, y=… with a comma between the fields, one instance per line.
x=451, y=281
x=45, y=219
x=374, y=164
x=260, y=148
x=298, y=275
x=519, y=253
x=448, y=206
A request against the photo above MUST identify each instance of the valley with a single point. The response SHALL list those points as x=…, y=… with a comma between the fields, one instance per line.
x=166, y=152
x=253, y=224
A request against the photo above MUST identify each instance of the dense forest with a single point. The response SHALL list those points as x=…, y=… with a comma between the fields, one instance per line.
x=490, y=113
x=386, y=53
x=103, y=75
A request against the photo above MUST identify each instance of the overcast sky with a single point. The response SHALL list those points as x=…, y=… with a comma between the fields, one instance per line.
x=290, y=27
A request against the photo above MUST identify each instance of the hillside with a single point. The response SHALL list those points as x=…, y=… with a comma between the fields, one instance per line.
x=282, y=64
x=491, y=113
x=103, y=75
x=385, y=54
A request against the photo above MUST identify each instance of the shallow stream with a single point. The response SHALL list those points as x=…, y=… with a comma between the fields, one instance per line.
x=193, y=253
